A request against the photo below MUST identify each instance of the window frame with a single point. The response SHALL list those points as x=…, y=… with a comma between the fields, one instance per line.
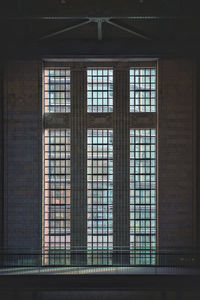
x=104, y=120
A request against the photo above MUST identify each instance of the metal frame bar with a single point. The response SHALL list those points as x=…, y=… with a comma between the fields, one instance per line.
x=99, y=22
x=133, y=32
x=99, y=26
x=65, y=29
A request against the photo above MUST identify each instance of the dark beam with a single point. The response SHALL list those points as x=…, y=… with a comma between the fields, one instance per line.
x=83, y=17
x=95, y=48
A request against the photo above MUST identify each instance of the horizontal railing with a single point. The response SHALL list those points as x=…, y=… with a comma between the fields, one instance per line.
x=80, y=257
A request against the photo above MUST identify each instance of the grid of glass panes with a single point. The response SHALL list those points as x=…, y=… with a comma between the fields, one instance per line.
x=57, y=196
x=57, y=90
x=100, y=90
x=143, y=90
x=100, y=196
x=143, y=196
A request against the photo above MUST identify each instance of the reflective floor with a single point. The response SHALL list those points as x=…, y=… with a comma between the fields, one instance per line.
x=99, y=271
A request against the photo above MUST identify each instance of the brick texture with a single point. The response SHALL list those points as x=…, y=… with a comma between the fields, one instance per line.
x=176, y=154
x=22, y=215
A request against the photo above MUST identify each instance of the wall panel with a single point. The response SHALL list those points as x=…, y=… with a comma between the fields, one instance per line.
x=176, y=158
x=22, y=163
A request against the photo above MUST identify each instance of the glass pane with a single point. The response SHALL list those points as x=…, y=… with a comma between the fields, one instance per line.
x=143, y=90
x=142, y=196
x=56, y=231
x=57, y=90
x=100, y=196
x=100, y=90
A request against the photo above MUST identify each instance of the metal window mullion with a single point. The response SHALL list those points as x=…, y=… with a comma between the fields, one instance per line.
x=121, y=210
x=150, y=191
x=78, y=165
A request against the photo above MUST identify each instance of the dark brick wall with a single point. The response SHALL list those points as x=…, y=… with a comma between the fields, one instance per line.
x=177, y=135
x=177, y=138
x=22, y=163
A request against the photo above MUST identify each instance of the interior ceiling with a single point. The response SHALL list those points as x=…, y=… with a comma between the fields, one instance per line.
x=44, y=22
x=96, y=7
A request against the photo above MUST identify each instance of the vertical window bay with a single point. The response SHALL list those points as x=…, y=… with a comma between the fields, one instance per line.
x=142, y=90
x=57, y=90
x=100, y=196
x=57, y=186
x=143, y=196
x=100, y=90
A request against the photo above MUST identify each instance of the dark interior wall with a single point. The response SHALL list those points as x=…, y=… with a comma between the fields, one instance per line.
x=1, y=154
x=177, y=153
x=22, y=162
x=198, y=153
